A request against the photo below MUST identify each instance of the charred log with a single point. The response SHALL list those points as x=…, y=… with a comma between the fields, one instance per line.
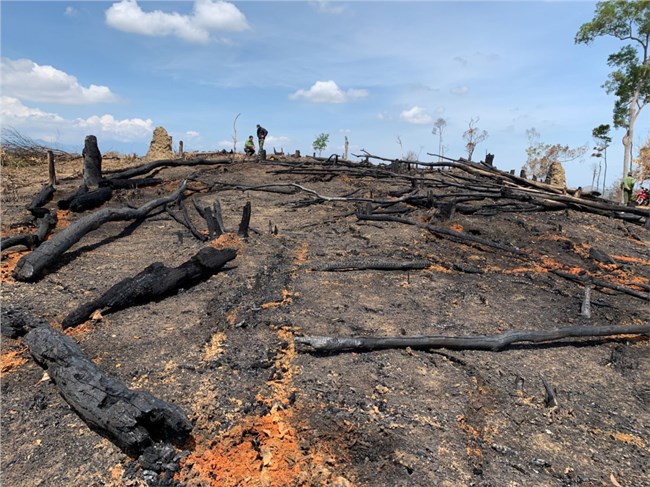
x=45, y=225
x=153, y=282
x=493, y=343
x=42, y=198
x=115, y=183
x=64, y=203
x=132, y=420
x=372, y=264
x=32, y=266
x=90, y=200
x=245, y=221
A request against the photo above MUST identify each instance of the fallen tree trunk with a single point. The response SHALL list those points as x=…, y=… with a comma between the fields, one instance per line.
x=42, y=198
x=45, y=226
x=90, y=199
x=600, y=283
x=493, y=343
x=146, y=168
x=130, y=183
x=154, y=282
x=132, y=420
x=372, y=264
x=32, y=265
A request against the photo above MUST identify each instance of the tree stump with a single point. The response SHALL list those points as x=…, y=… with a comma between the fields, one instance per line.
x=92, y=162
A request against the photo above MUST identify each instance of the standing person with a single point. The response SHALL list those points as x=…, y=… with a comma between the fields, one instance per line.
x=261, y=135
x=627, y=185
x=249, y=146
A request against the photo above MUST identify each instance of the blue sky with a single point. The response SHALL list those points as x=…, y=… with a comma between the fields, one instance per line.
x=371, y=71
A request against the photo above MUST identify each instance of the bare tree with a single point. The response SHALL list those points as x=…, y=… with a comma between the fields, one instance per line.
x=438, y=128
x=473, y=136
x=401, y=148
x=234, y=137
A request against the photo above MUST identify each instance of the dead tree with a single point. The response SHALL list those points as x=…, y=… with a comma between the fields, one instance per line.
x=92, y=161
x=32, y=265
x=42, y=198
x=154, y=282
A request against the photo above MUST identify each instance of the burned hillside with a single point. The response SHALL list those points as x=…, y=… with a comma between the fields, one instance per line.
x=220, y=354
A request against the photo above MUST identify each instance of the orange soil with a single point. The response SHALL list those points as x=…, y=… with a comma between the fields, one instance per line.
x=12, y=360
x=8, y=265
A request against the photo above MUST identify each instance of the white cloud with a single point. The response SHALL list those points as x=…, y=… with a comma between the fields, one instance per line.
x=277, y=142
x=416, y=115
x=208, y=16
x=459, y=90
x=192, y=134
x=127, y=130
x=51, y=126
x=26, y=80
x=70, y=11
x=13, y=112
x=328, y=92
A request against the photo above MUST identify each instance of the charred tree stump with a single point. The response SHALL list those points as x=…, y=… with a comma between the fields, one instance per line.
x=153, y=282
x=218, y=217
x=132, y=420
x=90, y=200
x=32, y=265
x=51, y=169
x=92, y=161
x=245, y=221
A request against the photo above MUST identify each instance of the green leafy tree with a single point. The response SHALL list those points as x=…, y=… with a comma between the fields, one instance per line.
x=603, y=140
x=541, y=155
x=628, y=21
x=320, y=144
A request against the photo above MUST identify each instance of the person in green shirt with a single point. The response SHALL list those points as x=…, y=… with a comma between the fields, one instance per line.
x=627, y=185
x=249, y=146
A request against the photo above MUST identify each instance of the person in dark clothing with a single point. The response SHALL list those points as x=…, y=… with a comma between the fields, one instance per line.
x=261, y=135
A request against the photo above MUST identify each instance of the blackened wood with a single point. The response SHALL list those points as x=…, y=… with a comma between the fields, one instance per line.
x=600, y=283
x=372, y=264
x=130, y=183
x=190, y=225
x=42, y=198
x=64, y=203
x=154, y=282
x=92, y=161
x=45, y=225
x=245, y=221
x=33, y=265
x=208, y=215
x=493, y=343
x=550, y=400
x=585, y=309
x=16, y=321
x=146, y=168
x=218, y=217
x=132, y=420
x=91, y=199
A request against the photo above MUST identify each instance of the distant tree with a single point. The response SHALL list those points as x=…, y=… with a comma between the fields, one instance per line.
x=438, y=128
x=473, y=137
x=603, y=140
x=630, y=81
x=542, y=155
x=234, y=137
x=320, y=144
x=401, y=147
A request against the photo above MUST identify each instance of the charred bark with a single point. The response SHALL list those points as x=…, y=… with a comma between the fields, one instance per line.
x=92, y=161
x=42, y=198
x=493, y=343
x=45, y=225
x=129, y=183
x=32, y=266
x=373, y=264
x=132, y=420
x=153, y=282
x=90, y=200
x=64, y=203
x=245, y=221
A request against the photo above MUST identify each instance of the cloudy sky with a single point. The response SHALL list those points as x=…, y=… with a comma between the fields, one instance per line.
x=380, y=73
